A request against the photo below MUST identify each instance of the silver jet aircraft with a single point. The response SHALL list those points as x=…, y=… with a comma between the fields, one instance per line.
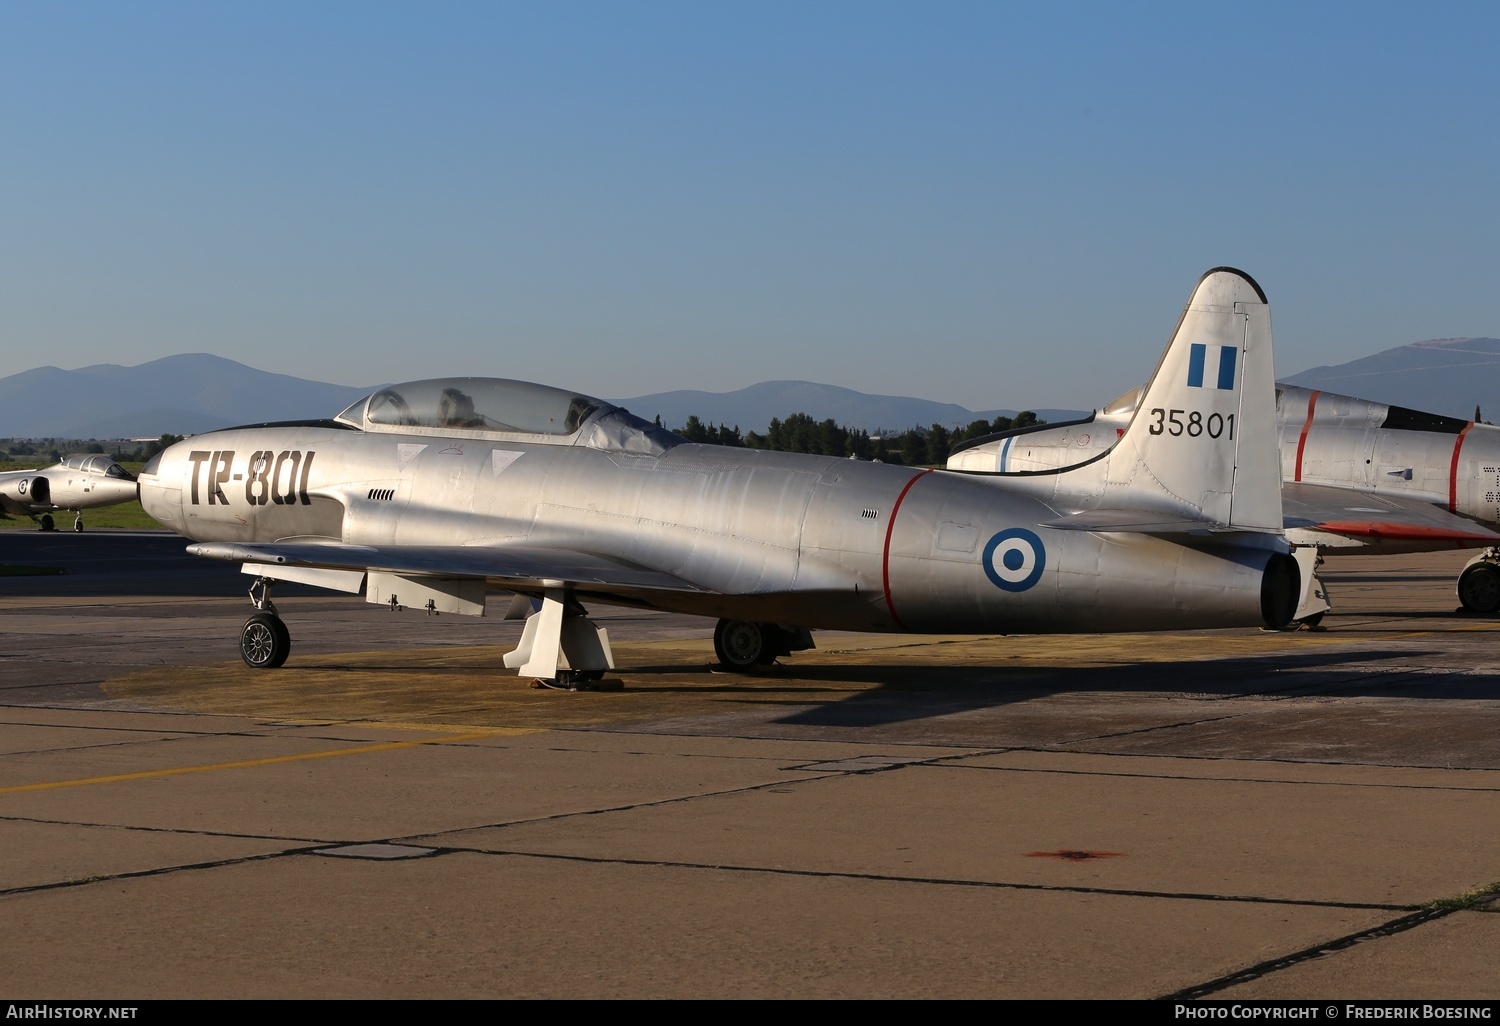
x=425, y=494
x=1358, y=478
x=76, y=484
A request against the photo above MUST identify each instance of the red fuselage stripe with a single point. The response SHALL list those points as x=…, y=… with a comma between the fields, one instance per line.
x=1453, y=468
x=885, y=559
x=1312, y=404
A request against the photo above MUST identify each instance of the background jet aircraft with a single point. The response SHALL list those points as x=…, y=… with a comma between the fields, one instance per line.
x=425, y=493
x=77, y=484
x=1357, y=477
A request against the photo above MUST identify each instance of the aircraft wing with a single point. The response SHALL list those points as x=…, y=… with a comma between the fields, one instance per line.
x=1345, y=518
x=510, y=566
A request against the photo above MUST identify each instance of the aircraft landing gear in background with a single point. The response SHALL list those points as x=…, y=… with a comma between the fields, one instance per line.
x=264, y=640
x=1479, y=585
x=47, y=523
x=743, y=645
x=78, y=521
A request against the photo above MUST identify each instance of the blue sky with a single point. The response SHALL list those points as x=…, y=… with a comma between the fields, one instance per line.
x=991, y=204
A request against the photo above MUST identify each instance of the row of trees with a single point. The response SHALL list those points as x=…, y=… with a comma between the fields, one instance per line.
x=54, y=449
x=917, y=446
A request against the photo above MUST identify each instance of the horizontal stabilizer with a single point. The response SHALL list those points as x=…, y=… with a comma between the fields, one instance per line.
x=1134, y=521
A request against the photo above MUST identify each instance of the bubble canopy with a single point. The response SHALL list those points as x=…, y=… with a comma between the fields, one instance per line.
x=474, y=404
x=487, y=407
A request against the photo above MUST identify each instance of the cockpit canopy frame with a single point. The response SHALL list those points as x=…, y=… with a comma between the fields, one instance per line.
x=97, y=464
x=499, y=408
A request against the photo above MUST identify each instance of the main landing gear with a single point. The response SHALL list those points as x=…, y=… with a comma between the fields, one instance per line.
x=264, y=640
x=1479, y=584
x=46, y=523
x=743, y=645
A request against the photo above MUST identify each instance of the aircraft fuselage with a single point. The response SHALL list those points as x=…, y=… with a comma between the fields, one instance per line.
x=809, y=541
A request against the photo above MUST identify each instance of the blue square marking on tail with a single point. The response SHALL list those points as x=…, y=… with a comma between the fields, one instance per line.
x=1195, y=364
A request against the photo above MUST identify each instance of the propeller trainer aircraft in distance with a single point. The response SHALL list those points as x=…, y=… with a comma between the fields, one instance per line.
x=77, y=484
x=425, y=494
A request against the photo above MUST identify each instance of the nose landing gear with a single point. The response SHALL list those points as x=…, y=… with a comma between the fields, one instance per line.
x=264, y=640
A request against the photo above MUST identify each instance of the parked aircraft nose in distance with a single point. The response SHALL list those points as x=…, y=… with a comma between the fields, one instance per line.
x=77, y=484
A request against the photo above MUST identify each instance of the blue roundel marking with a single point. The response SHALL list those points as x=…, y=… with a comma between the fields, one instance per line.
x=1014, y=559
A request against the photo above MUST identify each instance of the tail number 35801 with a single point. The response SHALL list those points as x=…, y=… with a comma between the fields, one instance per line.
x=1191, y=423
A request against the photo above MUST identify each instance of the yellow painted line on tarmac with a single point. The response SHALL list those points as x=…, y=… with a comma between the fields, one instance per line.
x=389, y=746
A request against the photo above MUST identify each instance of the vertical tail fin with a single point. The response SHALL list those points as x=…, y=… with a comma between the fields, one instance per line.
x=1203, y=440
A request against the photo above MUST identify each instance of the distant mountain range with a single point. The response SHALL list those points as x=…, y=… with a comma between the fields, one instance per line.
x=1442, y=375
x=197, y=392
x=186, y=394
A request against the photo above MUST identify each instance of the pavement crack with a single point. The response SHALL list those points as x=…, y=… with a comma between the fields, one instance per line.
x=1147, y=730
x=1255, y=972
x=627, y=807
x=829, y=874
x=1380, y=786
x=179, y=831
x=142, y=874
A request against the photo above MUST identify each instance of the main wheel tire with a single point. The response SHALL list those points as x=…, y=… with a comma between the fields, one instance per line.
x=47, y=523
x=742, y=645
x=264, y=642
x=1479, y=589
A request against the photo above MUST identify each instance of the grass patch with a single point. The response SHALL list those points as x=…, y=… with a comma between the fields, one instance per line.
x=125, y=516
x=1476, y=897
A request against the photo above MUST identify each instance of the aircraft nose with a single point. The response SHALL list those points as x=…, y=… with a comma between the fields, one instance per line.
x=163, y=502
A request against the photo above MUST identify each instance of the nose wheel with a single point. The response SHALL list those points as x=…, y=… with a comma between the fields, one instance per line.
x=264, y=641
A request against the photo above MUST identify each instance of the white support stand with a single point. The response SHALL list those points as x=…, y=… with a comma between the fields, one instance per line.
x=553, y=641
x=1313, y=600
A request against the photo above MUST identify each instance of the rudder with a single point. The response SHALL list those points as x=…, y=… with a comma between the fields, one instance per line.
x=1203, y=443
